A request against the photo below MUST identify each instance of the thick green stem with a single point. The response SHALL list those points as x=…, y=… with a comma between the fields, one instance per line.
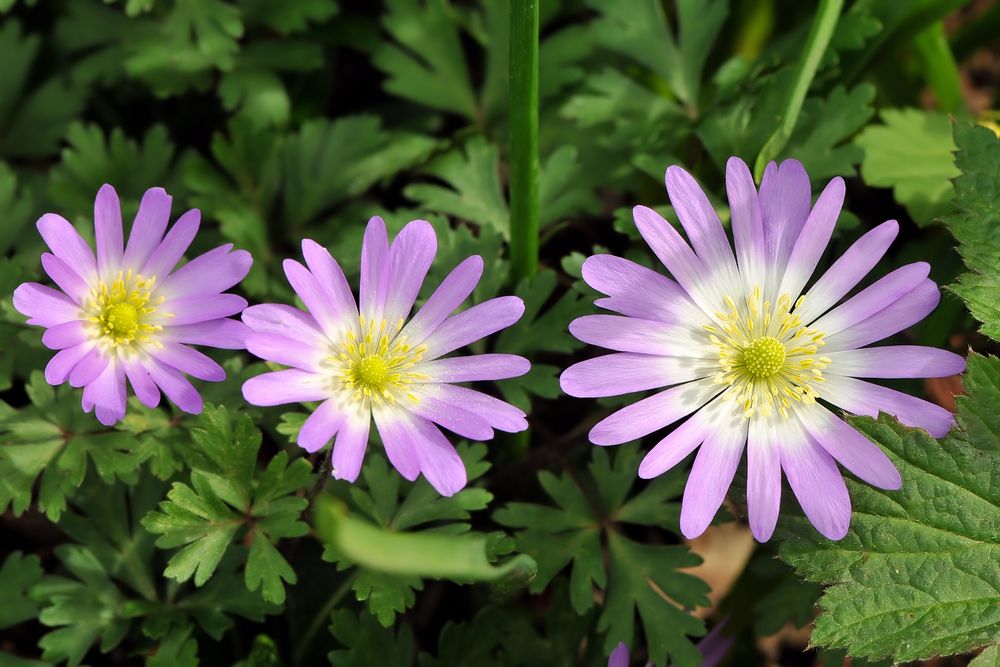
x=523, y=138
x=939, y=67
x=819, y=38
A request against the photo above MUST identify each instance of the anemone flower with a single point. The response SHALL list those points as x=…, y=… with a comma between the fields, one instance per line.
x=753, y=355
x=127, y=314
x=371, y=363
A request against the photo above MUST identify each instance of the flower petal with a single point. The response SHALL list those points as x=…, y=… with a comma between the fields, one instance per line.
x=477, y=322
x=410, y=257
x=288, y=386
x=163, y=260
x=63, y=362
x=748, y=224
x=213, y=272
x=897, y=361
x=68, y=280
x=142, y=383
x=818, y=486
x=44, y=306
x=813, y=239
x=374, y=286
x=785, y=196
x=623, y=373
x=619, y=657
x=89, y=368
x=630, y=334
x=188, y=360
x=713, y=471
x=288, y=321
x=148, y=228
x=701, y=222
x=498, y=414
x=439, y=463
x=854, y=451
x=67, y=334
x=67, y=244
x=398, y=439
x=175, y=386
x=331, y=319
x=108, y=395
x=285, y=351
x=349, y=447
x=909, y=309
x=679, y=443
x=874, y=298
x=653, y=413
x=676, y=255
x=763, y=479
x=865, y=398
x=339, y=308
x=195, y=309
x=637, y=291
x=449, y=295
x=453, y=417
x=321, y=426
x=848, y=270
x=473, y=368
x=224, y=334
x=108, y=231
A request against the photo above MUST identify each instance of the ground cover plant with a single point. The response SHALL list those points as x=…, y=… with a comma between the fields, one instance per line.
x=497, y=333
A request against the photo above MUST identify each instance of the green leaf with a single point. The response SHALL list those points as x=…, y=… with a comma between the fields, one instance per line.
x=540, y=330
x=639, y=30
x=474, y=193
x=228, y=496
x=329, y=162
x=974, y=225
x=912, y=154
x=34, y=111
x=636, y=577
x=393, y=504
x=287, y=17
x=918, y=574
x=367, y=643
x=823, y=128
x=50, y=442
x=425, y=64
x=17, y=574
x=92, y=159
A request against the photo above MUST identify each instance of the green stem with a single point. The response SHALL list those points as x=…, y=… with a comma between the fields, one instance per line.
x=819, y=37
x=321, y=617
x=940, y=68
x=523, y=138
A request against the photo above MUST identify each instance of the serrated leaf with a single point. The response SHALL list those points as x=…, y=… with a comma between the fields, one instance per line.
x=918, y=574
x=977, y=193
x=368, y=643
x=17, y=574
x=823, y=127
x=636, y=577
x=911, y=153
x=287, y=17
x=227, y=497
x=92, y=158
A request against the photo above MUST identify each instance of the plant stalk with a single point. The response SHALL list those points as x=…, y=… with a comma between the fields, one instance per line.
x=523, y=139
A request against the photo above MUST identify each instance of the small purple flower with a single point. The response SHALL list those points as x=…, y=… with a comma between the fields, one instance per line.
x=375, y=364
x=127, y=313
x=746, y=348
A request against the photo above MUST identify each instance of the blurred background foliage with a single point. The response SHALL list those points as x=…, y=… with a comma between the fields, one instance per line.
x=284, y=119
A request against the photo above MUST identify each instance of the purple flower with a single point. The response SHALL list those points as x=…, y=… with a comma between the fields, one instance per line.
x=127, y=313
x=747, y=350
x=375, y=364
x=713, y=647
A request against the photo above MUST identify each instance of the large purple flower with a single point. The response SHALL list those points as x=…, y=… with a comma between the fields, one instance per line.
x=375, y=364
x=127, y=313
x=746, y=348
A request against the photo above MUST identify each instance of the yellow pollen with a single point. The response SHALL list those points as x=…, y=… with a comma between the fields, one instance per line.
x=764, y=357
x=373, y=363
x=767, y=355
x=121, y=309
x=371, y=372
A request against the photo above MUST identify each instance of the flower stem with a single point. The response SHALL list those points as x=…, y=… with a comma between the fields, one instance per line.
x=523, y=138
x=819, y=38
x=321, y=617
x=940, y=68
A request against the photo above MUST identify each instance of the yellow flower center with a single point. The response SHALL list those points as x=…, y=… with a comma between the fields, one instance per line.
x=763, y=358
x=374, y=364
x=767, y=356
x=121, y=309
